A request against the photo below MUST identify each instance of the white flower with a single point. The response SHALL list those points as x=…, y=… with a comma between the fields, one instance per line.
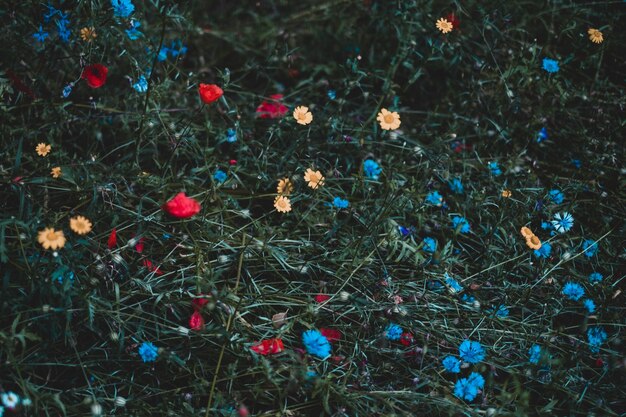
x=10, y=400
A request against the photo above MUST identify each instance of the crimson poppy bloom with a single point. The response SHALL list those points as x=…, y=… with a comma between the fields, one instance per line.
x=320, y=298
x=95, y=75
x=196, y=321
x=209, y=93
x=268, y=346
x=112, y=242
x=181, y=206
x=273, y=109
x=331, y=334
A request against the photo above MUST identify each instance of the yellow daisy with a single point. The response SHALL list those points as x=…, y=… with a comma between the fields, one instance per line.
x=88, y=34
x=80, y=225
x=56, y=172
x=302, y=115
x=388, y=120
x=595, y=35
x=43, y=149
x=444, y=25
x=282, y=204
x=313, y=178
x=51, y=239
x=285, y=186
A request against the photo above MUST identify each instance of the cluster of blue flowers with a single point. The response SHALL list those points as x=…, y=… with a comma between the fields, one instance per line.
x=453, y=284
x=231, y=135
x=544, y=251
x=471, y=352
x=122, y=8
x=467, y=388
x=535, y=354
x=316, y=343
x=575, y=292
x=61, y=22
x=596, y=336
x=556, y=196
x=175, y=49
x=141, y=86
x=133, y=31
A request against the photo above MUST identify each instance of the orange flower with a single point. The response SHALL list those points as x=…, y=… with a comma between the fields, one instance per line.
x=388, y=120
x=302, y=115
x=595, y=36
x=80, y=225
x=285, y=186
x=282, y=204
x=51, y=239
x=56, y=172
x=43, y=149
x=506, y=193
x=88, y=34
x=533, y=242
x=526, y=232
x=444, y=25
x=314, y=178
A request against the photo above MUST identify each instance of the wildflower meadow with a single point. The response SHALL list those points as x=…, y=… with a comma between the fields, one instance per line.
x=357, y=208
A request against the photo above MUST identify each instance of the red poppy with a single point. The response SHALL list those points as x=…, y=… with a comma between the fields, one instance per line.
x=198, y=303
x=454, y=20
x=112, y=242
x=196, y=321
x=268, y=346
x=152, y=267
x=95, y=75
x=320, y=298
x=406, y=338
x=209, y=93
x=273, y=109
x=331, y=334
x=181, y=206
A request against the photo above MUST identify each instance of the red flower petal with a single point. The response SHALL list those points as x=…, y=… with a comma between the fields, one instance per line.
x=209, y=93
x=406, y=338
x=181, y=206
x=268, y=346
x=196, y=321
x=320, y=298
x=112, y=242
x=198, y=303
x=140, y=244
x=454, y=20
x=272, y=109
x=152, y=267
x=95, y=75
x=331, y=334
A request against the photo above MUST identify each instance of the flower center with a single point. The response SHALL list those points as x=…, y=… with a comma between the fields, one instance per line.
x=51, y=236
x=388, y=118
x=534, y=240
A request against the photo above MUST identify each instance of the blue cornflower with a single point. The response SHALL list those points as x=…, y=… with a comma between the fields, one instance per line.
x=340, y=203
x=67, y=90
x=148, y=352
x=590, y=247
x=542, y=135
x=550, y=65
x=456, y=186
x=573, y=291
x=563, y=222
x=393, y=331
x=467, y=388
x=40, y=35
x=220, y=176
x=429, y=245
x=596, y=336
x=141, y=86
x=434, y=198
x=231, y=135
x=371, y=169
x=595, y=277
x=469, y=299
x=453, y=284
x=122, y=8
x=50, y=13
x=62, y=30
x=494, y=168
x=162, y=56
x=406, y=231
x=589, y=305
x=451, y=364
x=316, y=343
x=461, y=224
x=535, y=354
x=134, y=33
x=577, y=163
x=177, y=48
x=502, y=311
x=544, y=251
x=556, y=196
x=547, y=226
x=471, y=352
x=332, y=94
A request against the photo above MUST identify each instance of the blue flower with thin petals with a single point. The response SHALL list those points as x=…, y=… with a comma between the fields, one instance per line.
x=544, y=251
x=589, y=305
x=340, y=203
x=547, y=226
x=535, y=354
x=67, y=90
x=596, y=336
x=393, y=331
x=563, y=222
x=467, y=388
x=550, y=65
x=471, y=351
x=595, y=277
x=542, y=135
x=141, y=86
x=133, y=32
x=590, y=247
x=316, y=343
x=122, y=8
x=231, y=135
x=502, y=311
x=456, y=186
x=177, y=48
x=220, y=176
x=429, y=245
x=148, y=352
x=434, y=198
x=451, y=364
x=50, y=13
x=461, y=224
x=556, y=196
x=41, y=35
x=495, y=169
x=573, y=291
x=406, y=231
x=453, y=284
x=371, y=169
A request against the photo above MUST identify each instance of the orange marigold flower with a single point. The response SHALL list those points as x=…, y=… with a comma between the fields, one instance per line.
x=43, y=149
x=444, y=25
x=388, y=120
x=285, y=186
x=506, y=193
x=595, y=35
x=51, y=239
x=526, y=232
x=313, y=178
x=80, y=225
x=282, y=204
x=533, y=242
x=88, y=34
